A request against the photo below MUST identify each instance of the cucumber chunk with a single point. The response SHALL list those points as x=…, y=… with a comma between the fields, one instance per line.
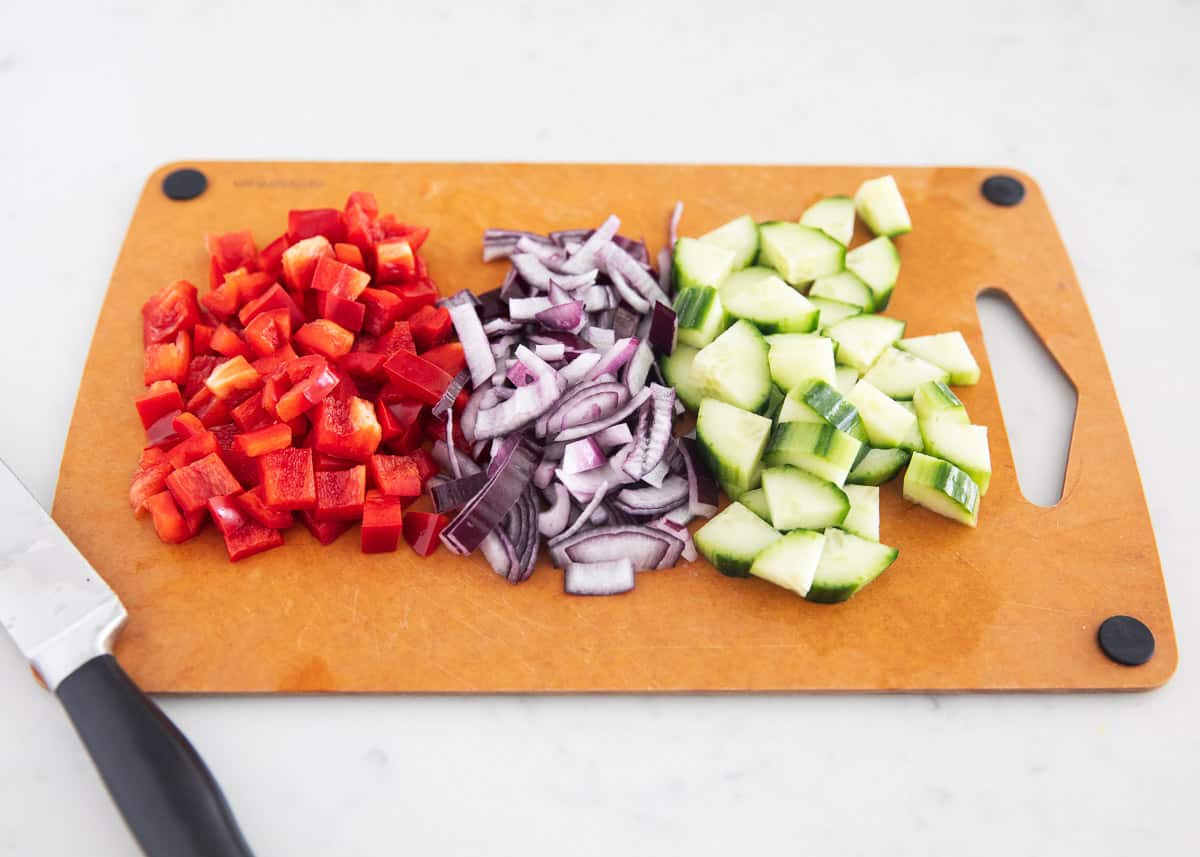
x=734, y=368
x=799, y=253
x=799, y=500
x=863, y=518
x=774, y=402
x=848, y=563
x=876, y=263
x=700, y=316
x=758, y=295
x=862, y=339
x=732, y=539
x=899, y=373
x=947, y=350
x=740, y=236
x=732, y=442
x=791, y=561
x=888, y=423
x=796, y=357
x=941, y=487
x=881, y=207
x=834, y=216
x=878, y=466
x=845, y=287
x=815, y=400
x=847, y=377
x=701, y=264
x=756, y=501
x=964, y=446
x=818, y=448
x=935, y=402
x=832, y=311
x=677, y=371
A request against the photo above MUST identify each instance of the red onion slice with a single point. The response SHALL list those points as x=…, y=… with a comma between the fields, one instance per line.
x=618, y=354
x=598, y=578
x=645, y=547
x=576, y=432
x=585, y=257
x=487, y=508
x=566, y=317
x=474, y=341
x=582, y=455
x=554, y=520
x=650, y=502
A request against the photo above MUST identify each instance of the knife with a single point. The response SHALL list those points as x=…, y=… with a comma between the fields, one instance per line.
x=64, y=618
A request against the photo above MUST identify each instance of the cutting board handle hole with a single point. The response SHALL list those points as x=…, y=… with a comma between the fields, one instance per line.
x=1036, y=396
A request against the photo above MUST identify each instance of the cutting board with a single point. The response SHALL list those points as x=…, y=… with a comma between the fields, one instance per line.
x=1014, y=604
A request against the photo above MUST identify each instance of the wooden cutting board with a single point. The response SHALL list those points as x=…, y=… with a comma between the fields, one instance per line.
x=1014, y=604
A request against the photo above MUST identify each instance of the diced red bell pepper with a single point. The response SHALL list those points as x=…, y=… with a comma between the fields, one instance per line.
x=275, y=297
x=392, y=228
x=202, y=339
x=396, y=475
x=311, y=380
x=222, y=301
x=325, y=532
x=192, y=449
x=382, y=523
x=162, y=398
x=264, y=440
x=270, y=258
x=169, y=311
x=168, y=361
x=383, y=309
x=307, y=223
x=342, y=311
x=365, y=200
x=230, y=251
x=422, y=531
x=188, y=425
x=340, y=493
x=192, y=486
x=347, y=429
x=199, y=369
x=244, y=536
x=360, y=230
x=233, y=376
x=413, y=296
x=162, y=434
x=324, y=337
x=227, y=343
x=211, y=410
x=398, y=338
x=346, y=387
x=300, y=260
x=149, y=478
x=256, y=507
x=269, y=331
x=250, y=415
x=435, y=427
x=339, y=279
x=243, y=468
x=400, y=422
x=287, y=479
x=394, y=262
x=416, y=377
x=273, y=362
x=426, y=466
x=362, y=365
x=349, y=254
x=170, y=524
x=449, y=357
x=250, y=284
x=323, y=462
x=430, y=326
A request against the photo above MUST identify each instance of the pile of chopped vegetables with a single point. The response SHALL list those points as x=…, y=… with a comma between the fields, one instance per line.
x=304, y=381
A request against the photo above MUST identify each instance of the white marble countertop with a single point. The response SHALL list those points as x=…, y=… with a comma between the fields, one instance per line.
x=1097, y=100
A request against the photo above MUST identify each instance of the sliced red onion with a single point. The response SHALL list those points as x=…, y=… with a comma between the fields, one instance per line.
x=497, y=326
x=487, y=508
x=703, y=493
x=673, y=224
x=650, y=447
x=663, y=327
x=626, y=292
x=657, y=474
x=554, y=520
x=565, y=236
x=567, y=317
x=495, y=553
x=598, y=578
x=450, y=394
x=558, y=295
x=665, y=263
x=442, y=453
x=635, y=247
x=499, y=243
x=474, y=342
x=588, y=510
x=679, y=531
x=462, y=296
x=583, y=486
x=533, y=271
x=604, y=319
x=542, y=249
x=513, y=286
x=624, y=323
x=544, y=475
x=649, y=502
x=578, y=368
x=645, y=547
x=551, y=352
x=525, y=405
x=617, y=435
x=600, y=337
x=586, y=404
x=525, y=309
x=519, y=374
x=483, y=397
x=618, y=354
x=453, y=493
x=491, y=305
x=616, y=260
x=576, y=432
x=585, y=257
x=601, y=515
x=598, y=298
x=638, y=368
x=582, y=455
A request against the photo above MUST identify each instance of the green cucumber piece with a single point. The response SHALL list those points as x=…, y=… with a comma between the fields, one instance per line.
x=740, y=236
x=947, y=350
x=845, y=287
x=815, y=400
x=863, y=518
x=796, y=357
x=734, y=367
x=878, y=466
x=881, y=207
x=700, y=316
x=759, y=296
x=732, y=539
x=818, y=448
x=799, y=500
x=964, y=446
x=832, y=311
x=888, y=423
x=701, y=264
x=833, y=215
x=876, y=263
x=732, y=442
x=848, y=563
x=847, y=377
x=677, y=371
x=791, y=561
x=774, y=402
x=943, y=488
x=800, y=254
x=862, y=339
x=756, y=501
x=935, y=402
x=899, y=373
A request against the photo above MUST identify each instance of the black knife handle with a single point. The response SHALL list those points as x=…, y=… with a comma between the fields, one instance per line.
x=172, y=804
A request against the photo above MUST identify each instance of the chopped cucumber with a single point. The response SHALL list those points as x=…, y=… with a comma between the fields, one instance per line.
x=876, y=263
x=881, y=207
x=799, y=500
x=796, y=357
x=740, y=236
x=847, y=377
x=863, y=517
x=732, y=539
x=863, y=338
x=791, y=561
x=834, y=216
x=846, y=288
x=935, y=402
x=941, y=487
x=888, y=423
x=818, y=448
x=815, y=400
x=878, y=466
x=677, y=371
x=734, y=368
x=964, y=446
x=899, y=373
x=848, y=563
x=732, y=442
x=734, y=491
x=799, y=253
x=774, y=402
x=698, y=263
x=758, y=295
x=832, y=311
x=700, y=316
x=756, y=502
x=947, y=350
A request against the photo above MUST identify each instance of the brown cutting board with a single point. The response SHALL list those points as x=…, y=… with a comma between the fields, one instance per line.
x=1014, y=604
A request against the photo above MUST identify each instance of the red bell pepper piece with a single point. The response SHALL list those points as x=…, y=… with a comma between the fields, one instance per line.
x=169, y=311
x=430, y=326
x=273, y=362
x=227, y=343
x=394, y=261
x=426, y=466
x=170, y=524
x=273, y=298
x=324, y=337
x=360, y=230
x=243, y=535
x=162, y=398
x=270, y=258
x=342, y=311
x=449, y=357
x=192, y=486
x=188, y=425
x=324, y=462
x=383, y=309
x=149, y=478
x=398, y=338
x=211, y=410
x=307, y=223
x=192, y=449
x=264, y=440
x=416, y=377
x=231, y=377
x=269, y=331
x=396, y=475
x=422, y=531
x=340, y=279
x=365, y=200
x=202, y=339
x=362, y=365
x=168, y=361
x=325, y=532
x=413, y=296
x=349, y=254
x=222, y=301
x=435, y=427
x=249, y=284
x=162, y=434
x=300, y=260
x=243, y=468
x=230, y=251
x=287, y=479
x=199, y=369
x=347, y=429
x=311, y=380
x=400, y=422
x=256, y=507
x=250, y=415
x=340, y=493
x=382, y=523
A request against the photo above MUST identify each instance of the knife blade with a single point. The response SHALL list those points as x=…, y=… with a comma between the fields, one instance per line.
x=64, y=618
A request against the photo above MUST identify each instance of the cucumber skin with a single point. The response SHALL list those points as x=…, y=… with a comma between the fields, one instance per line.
x=874, y=476
x=694, y=309
x=729, y=565
x=677, y=371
